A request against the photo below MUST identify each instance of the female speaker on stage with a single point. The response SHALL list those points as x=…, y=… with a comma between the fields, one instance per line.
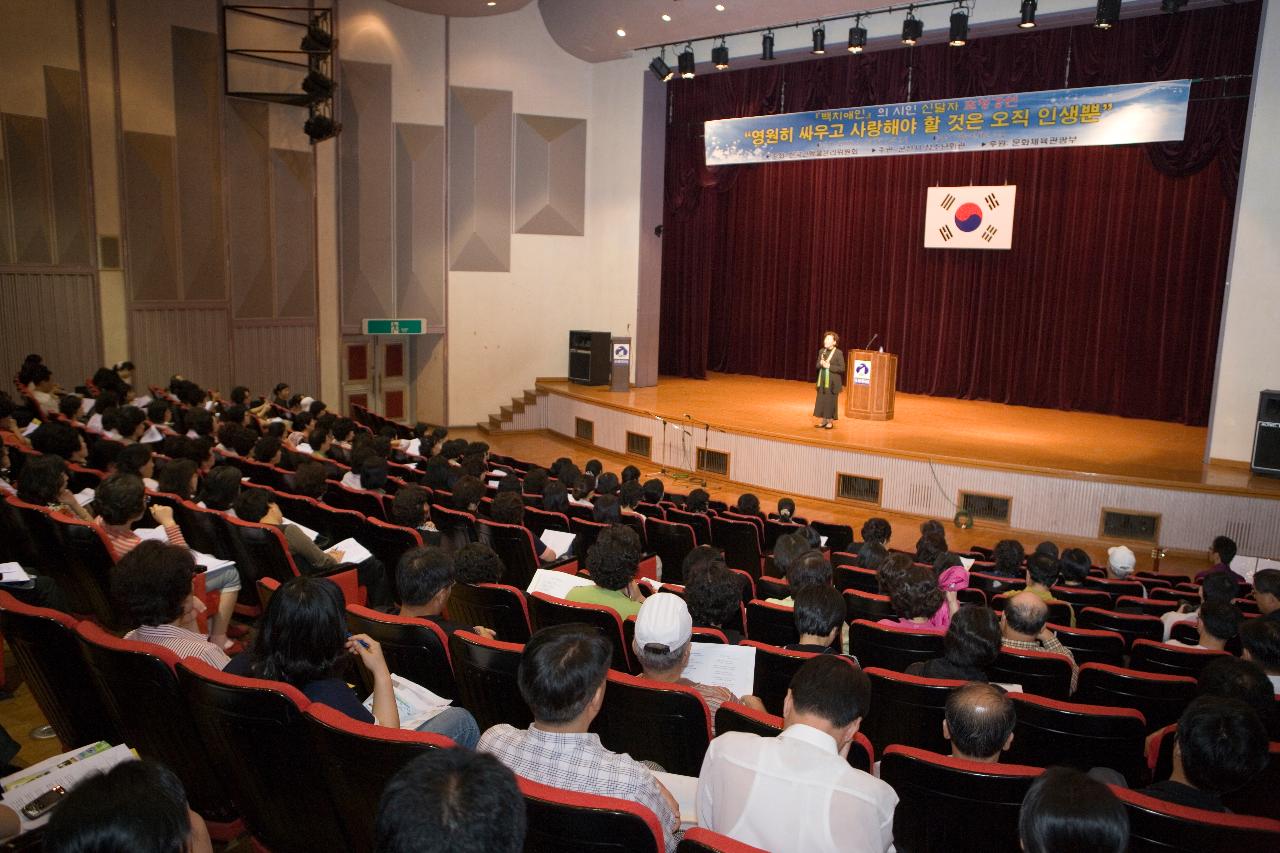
x=830, y=380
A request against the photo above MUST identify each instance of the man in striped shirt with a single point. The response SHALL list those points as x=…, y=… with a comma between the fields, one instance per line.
x=121, y=500
x=154, y=583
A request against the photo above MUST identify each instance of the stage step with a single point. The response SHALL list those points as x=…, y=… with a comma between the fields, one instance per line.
x=507, y=413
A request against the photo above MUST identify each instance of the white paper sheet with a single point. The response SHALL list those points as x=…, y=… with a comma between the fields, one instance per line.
x=493, y=484
x=13, y=573
x=352, y=551
x=558, y=541
x=685, y=790
x=558, y=584
x=68, y=777
x=733, y=667
x=84, y=497
x=86, y=404
x=311, y=534
x=414, y=703
x=40, y=768
x=967, y=562
x=822, y=541
x=151, y=436
x=141, y=402
x=151, y=534
x=208, y=562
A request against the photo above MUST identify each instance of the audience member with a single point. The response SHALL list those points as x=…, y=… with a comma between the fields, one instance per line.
x=1221, y=553
x=61, y=440
x=467, y=493
x=1220, y=745
x=1067, y=811
x=562, y=679
x=220, y=488
x=43, y=482
x=1042, y=573
x=787, y=511
x=1218, y=624
x=871, y=555
x=808, y=570
x=1120, y=562
x=796, y=791
x=697, y=501
x=1007, y=558
x=476, y=563
x=138, y=459
x=1230, y=677
x=611, y=564
x=663, y=643
x=508, y=508
x=919, y=602
x=1023, y=625
x=1073, y=567
x=1217, y=588
x=654, y=491
x=153, y=585
x=970, y=646
x=1260, y=639
x=135, y=807
x=451, y=801
x=713, y=591
x=411, y=507
x=819, y=615
x=979, y=722
x=876, y=530
x=424, y=580
x=929, y=547
x=1266, y=593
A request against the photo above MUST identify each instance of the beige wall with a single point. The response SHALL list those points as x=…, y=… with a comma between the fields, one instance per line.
x=1249, y=352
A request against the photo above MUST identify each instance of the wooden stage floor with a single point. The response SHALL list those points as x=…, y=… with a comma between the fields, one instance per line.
x=945, y=430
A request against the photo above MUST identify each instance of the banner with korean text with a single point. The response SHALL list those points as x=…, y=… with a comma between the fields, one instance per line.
x=1098, y=115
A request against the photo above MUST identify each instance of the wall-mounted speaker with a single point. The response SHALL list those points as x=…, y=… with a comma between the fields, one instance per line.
x=1266, y=435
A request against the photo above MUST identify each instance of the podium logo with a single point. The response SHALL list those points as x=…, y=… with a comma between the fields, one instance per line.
x=861, y=371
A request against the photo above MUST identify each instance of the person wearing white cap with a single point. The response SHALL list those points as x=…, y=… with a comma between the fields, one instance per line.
x=1120, y=562
x=664, y=633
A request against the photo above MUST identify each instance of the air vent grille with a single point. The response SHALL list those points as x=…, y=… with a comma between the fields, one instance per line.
x=584, y=429
x=852, y=487
x=713, y=461
x=986, y=507
x=639, y=445
x=1126, y=524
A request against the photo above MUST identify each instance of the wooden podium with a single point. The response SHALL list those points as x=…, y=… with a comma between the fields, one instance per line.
x=870, y=381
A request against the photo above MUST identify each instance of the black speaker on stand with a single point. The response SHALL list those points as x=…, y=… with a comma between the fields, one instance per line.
x=589, y=357
x=1266, y=435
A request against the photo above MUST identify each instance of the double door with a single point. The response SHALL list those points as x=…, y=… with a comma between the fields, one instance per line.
x=375, y=374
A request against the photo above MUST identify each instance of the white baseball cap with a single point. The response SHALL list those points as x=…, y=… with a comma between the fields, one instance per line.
x=663, y=620
x=1121, y=559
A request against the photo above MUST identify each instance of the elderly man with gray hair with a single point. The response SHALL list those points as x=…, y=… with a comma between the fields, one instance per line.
x=1022, y=627
x=664, y=634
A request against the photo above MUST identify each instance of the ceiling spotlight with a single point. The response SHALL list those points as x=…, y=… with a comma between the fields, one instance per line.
x=912, y=27
x=857, y=36
x=720, y=55
x=320, y=127
x=766, y=46
x=660, y=68
x=1108, y=14
x=1028, y=14
x=318, y=39
x=1171, y=6
x=685, y=62
x=819, y=40
x=666, y=17
x=719, y=7
x=621, y=32
x=317, y=86
x=959, y=27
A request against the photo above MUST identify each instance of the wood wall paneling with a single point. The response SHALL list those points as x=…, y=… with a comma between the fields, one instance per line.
x=54, y=314
x=148, y=186
x=249, y=200
x=27, y=158
x=293, y=226
x=68, y=158
x=197, y=92
x=366, y=192
x=420, y=248
x=6, y=219
x=267, y=354
x=191, y=340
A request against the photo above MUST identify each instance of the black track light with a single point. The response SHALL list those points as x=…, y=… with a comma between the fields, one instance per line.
x=1108, y=14
x=959, y=27
x=720, y=56
x=766, y=46
x=661, y=70
x=857, y=36
x=318, y=86
x=320, y=127
x=318, y=39
x=912, y=27
x=685, y=62
x=819, y=40
x=1028, y=14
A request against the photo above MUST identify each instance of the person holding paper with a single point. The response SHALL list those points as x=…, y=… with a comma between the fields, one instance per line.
x=303, y=640
x=795, y=792
x=664, y=636
x=424, y=580
x=154, y=584
x=121, y=500
x=43, y=482
x=256, y=505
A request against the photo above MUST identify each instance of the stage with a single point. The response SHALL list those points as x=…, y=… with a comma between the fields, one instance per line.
x=1060, y=472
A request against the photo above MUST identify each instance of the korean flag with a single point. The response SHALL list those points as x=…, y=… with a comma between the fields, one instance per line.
x=969, y=217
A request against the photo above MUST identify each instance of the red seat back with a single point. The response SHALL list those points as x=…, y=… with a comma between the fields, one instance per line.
x=486, y=673
x=1089, y=645
x=1156, y=826
x=492, y=605
x=891, y=647
x=774, y=624
x=907, y=709
x=546, y=610
x=671, y=541
x=562, y=821
x=1131, y=626
x=1153, y=656
x=1050, y=732
x=1160, y=698
x=699, y=840
x=668, y=724
x=775, y=667
x=1041, y=673
x=417, y=649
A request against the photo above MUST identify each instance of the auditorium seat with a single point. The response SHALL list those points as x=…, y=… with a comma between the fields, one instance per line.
x=1257, y=797
x=774, y=624
x=562, y=821
x=1089, y=645
x=334, y=525
x=1080, y=597
x=891, y=647
x=852, y=577
x=258, y=741
x=1050, y=732
x=388, y=542
x=740, y=541
x=668, y=724
x=772, y=586
x=457, y=528
x=1157, y=826
x=1153, y=656
x=838, y=536
x=493, y=605
x=585, y=533
x=699, y=840
x=993, y=585
x=72, y=553
x=1131, y=626
x=1146, y=606
x=368, y=504
x=357, y=760
x=1060, y=612
x=775, y=529
x=775, y=667
x=514, y=546
x=732, y=717
x=44, y=644
x=1115, y=588
x=538, y=519
x=697, y=522
x=871, y=606
x=950, y=805
x=139, y=687
x=417, y=649
x=671, y=541
x=907, y=709
x=546, y=610
x=1041, y=673
x=1160, y=698
x=262, y=551
x=486, y=673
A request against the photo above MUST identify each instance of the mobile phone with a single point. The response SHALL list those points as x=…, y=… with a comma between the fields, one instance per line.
x=44, y=802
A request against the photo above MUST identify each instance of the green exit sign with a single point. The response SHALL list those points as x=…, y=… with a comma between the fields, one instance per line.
x=395, y=327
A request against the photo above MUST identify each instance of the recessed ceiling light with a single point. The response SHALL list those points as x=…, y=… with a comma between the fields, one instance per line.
x=492, y=3
x=621, y=32
x=666, y=17
x=719, y=7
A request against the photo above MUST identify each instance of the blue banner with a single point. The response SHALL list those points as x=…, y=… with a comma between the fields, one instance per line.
x=1099, y=115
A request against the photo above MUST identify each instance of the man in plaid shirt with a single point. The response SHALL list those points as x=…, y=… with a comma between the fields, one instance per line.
x=562, y=678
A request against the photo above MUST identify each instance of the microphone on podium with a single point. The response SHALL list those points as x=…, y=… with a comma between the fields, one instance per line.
x=874, y=338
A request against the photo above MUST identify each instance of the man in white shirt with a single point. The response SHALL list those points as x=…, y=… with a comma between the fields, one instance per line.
x=797, y=792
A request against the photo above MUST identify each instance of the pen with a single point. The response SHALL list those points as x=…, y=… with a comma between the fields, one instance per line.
x=358, y=640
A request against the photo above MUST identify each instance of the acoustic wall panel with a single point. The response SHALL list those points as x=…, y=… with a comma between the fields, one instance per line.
x=192, y=341
x=29, y=191
x=293, y=217
x=479, y=179
x=266, y=355
x=366, y=192
x=150, y=221
x=197, y=58
x=551, y=175
x=248, y=192
x=64, y=330
x=6, y=220
x=68, y=157
x=420, y=221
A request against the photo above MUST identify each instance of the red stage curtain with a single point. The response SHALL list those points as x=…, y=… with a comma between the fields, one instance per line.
x=1110, y=298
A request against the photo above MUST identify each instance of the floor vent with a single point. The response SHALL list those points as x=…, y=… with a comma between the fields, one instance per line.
x=584, y=429
x=1125, y=524
x=713, y=461
x=986, y=507
x=851, y=487
x=639, y=445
